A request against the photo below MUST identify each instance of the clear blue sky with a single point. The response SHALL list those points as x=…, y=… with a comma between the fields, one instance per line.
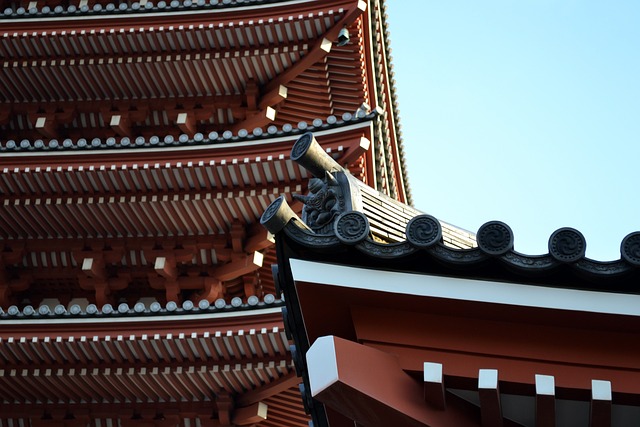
x=523, y=111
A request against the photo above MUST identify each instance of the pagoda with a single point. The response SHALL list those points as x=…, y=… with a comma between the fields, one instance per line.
x=140, y=141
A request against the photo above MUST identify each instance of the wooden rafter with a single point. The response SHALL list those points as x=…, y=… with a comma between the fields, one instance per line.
x=600, y=403
x=545, y=401
x=490, y=407
x=269, y=390
x=434, y=392
x=251, y=414
x=276, y=96
x=319, y=50
x=259, y=240
x=241, y=265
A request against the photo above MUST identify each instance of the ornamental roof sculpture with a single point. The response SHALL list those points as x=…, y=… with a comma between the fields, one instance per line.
x=380, y=228
x=376, y=292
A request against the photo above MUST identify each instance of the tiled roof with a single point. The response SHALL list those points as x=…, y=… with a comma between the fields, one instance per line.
x=129, y=7
x=564, y=265
x=330, y=122
x=390, y=234
x=139, y=309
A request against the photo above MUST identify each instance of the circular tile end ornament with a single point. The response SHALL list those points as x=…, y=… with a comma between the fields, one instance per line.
x=567, y=245
x=351, y=227
x=630, y=248
x=495, y=238
x=301, y=146
x=424, y=231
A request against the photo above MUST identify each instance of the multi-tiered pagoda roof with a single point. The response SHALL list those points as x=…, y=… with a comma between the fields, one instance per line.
x=139, y=144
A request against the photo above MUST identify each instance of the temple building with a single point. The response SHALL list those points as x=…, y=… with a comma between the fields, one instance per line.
x=140, y=142
x=145, y=144
x=396, y=323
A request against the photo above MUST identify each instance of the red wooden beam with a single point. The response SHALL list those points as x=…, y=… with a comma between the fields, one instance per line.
x=94, y=268
x=187, y=123
x=120, y=124
x=356, y=151
x=268, y=390
x=315, y=54
x=46, y=126
x=319, y=50
x=259, y=119
x=275, y=96
x=251, y=94
x=237, y=233
x=262, y=239
x=369, y=387
x=166, y=267
x=239, y=267
x=251, y=414
x=572, y=358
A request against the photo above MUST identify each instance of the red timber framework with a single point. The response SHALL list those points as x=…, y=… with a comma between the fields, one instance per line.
x=139, y=144
x=401, y=320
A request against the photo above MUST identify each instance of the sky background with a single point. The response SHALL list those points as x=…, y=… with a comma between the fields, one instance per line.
x=522, y=111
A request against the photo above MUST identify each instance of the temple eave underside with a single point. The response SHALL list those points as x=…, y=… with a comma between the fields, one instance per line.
x=212, y=72
x=155, y=369
x=140, y=143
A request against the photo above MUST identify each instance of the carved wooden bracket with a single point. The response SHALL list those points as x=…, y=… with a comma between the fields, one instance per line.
x=166, y=266
x=213, y=289
x=258, y=240
x=177, y=254
x=170, y=286
x=167, y=276
x=121, y=120
x=258, y=119
x=47, y=121
x=249, y=282
x=120, y=124
x=250, y=415
x=240, y=265
x=103, y=288
x=94, y=276
x=187, y=122
x=274, y=97
x=45, y=124
x=230, y=415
